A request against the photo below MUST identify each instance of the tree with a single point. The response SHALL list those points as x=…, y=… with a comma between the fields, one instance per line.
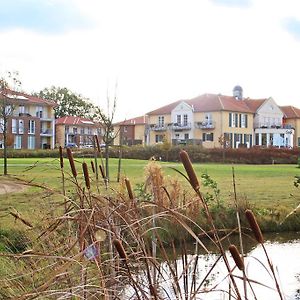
x=8, y=85
x=68, y=103
x=109, y=135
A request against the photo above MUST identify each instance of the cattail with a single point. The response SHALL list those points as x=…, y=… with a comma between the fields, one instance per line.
x=129, y=189
x=96, y=142
x=61, y=157
x=86, y=175
x=236, y=257
x=93, y=166
x=254, y=225
x=185, y=159
x=102, y=171
x=120, y=249
x=71, y=160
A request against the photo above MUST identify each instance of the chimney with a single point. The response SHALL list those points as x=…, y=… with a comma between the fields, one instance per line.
x=238, y=92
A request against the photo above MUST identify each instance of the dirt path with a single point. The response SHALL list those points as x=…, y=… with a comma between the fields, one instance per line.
x=8, y=186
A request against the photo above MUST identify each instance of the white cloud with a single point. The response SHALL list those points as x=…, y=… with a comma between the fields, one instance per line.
x=162, y=51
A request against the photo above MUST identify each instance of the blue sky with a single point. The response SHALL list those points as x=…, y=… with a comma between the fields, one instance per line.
x=157, y=51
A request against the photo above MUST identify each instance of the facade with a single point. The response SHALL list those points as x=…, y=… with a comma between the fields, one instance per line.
x=131, y=132
x=214, y=120
x=291, y=121
x=77, y=132
x=31, y=125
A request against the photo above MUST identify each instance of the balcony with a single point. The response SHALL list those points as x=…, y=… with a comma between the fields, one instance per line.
x=158, y=127
x=180, y=127
x=46, y=132
x=273, y=126
x=205, y=125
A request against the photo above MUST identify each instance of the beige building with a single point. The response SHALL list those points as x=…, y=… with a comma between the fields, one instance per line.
x=31, y=124
x=215, y=120
x=77, y=132
x=292, y=122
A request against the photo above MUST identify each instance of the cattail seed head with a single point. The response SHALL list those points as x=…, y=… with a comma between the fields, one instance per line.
x=86, y=175
x=71, y=161
x=102, y=171
x=61, y=157
x=93, y=166
x=96, y=142
x=120, y=249
x=129, y=189
x=254, y=226
x=185, y=159
x=236, y=257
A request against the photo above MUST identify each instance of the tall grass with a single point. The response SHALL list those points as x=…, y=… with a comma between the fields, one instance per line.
x=122, y=244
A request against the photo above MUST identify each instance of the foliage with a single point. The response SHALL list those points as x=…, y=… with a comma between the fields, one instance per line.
x=68, y=102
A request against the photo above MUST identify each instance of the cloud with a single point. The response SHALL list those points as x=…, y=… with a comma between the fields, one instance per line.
x=233, y=3
x=292, y=25
x=46, y=16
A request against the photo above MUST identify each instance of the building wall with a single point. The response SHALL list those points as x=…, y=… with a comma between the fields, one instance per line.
x=153, y=120
x=139, y=132
x=60, y=135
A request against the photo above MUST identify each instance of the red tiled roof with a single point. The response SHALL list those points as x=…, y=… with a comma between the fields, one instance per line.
x=213, y=102
x=25, y=98
x=134, y=121
x=290, y=112
x=71, y=120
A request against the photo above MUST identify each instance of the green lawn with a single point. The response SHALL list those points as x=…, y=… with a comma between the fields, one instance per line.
x=263, y=185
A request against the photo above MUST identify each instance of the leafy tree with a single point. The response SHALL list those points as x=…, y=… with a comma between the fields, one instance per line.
x=8, y=84
x=68, y=103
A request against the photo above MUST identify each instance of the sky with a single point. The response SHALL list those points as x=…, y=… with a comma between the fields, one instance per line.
x=149, y=53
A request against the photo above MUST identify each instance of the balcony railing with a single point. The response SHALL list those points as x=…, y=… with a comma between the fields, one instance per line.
x=205, y=125
x=179, y=127
x=274, y=126
x=158, y=127
x=46, y=132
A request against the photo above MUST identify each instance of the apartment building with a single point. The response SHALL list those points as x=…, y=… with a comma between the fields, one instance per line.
x=131, y=132
x=291, y=122
x=31, y=123
x=215, y=120
x=77, y=132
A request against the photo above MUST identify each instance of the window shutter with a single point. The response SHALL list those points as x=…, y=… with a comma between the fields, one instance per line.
x=236, y=120
x=212, y=137
x=240, y=120
x=246, y=121
x=230, y=120
x=203, y=137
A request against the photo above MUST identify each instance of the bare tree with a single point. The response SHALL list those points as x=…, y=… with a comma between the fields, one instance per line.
x=106, y=119
x=7, y=106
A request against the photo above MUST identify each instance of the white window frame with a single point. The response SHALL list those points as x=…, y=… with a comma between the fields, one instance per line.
x=14, y=128
x=161, y=121
x=31, y=127
x=17, y=142
x=31, y=142
x=185, y=120
x=21, y=126
x=243, y=121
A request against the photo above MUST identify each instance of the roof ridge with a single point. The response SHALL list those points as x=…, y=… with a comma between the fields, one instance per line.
x=221, y=103
x=293, y=108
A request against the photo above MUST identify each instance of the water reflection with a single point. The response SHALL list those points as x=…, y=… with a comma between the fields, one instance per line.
x=283, y=249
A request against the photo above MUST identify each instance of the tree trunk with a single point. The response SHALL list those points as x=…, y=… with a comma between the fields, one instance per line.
x=5, y=148
x=106, y=162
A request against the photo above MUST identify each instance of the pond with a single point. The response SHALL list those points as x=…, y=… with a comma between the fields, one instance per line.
x=283, y=250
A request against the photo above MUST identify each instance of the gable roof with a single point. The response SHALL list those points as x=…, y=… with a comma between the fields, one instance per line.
x=71, y=120
x=291, y=112
x=134, y=121
x=24, y=98
x=213, y=102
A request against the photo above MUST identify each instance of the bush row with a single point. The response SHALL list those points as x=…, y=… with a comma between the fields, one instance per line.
x=197, y=154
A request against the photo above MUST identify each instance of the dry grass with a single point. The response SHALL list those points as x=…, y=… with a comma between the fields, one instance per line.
x=113, y=245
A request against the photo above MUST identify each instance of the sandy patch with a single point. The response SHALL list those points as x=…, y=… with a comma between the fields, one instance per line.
x=7, y=186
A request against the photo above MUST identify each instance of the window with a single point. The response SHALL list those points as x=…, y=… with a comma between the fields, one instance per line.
x=90, y=132
x=82, y=130
x=67, y=129
x=244, y=121
x=125, y=129
x=185, y=120
x=21, y=126
x=298, y=141
x=14, y=126
x=75, y=130
x=21, y=109
x=186, y=136
x=1, y=125
x=39, y=111
x=178, y=120
x=207, y=137
x=159, y=138
x=31, y=126
x=161, y=121
x=17, y=141
x=177, y=136
x=31, y=142
x=208, y=118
